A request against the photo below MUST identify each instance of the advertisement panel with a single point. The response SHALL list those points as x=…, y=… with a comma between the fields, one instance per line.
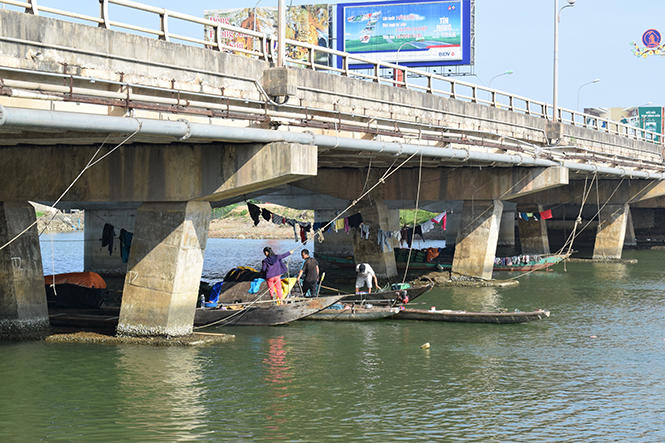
x=651, y=118
x=411, y=33
x=305, y=23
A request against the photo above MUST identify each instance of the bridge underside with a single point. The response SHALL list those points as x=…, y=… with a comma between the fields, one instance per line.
x=163, y=131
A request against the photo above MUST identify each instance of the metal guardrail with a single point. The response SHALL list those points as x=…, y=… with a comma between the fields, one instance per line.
x=435, y=84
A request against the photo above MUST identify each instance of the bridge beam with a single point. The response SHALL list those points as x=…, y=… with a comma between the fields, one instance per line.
x=152, y=172
x=477, y=238
x=164, y=269
x=23, y=307
x=611, y=232
x=439, y=184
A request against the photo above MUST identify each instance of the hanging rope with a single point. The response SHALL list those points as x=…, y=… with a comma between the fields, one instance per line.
x=415, y=217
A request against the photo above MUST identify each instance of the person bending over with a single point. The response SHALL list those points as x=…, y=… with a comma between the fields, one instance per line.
x=364, y=275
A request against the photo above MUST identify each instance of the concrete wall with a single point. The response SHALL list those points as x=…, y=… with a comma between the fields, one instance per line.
x=97, y=258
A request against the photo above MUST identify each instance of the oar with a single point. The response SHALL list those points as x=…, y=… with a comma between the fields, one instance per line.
x=319, y=288
x=332, y=289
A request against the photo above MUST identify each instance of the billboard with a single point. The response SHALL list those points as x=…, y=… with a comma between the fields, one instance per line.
x=651, y=119
x=305, y=23
x=420, y=33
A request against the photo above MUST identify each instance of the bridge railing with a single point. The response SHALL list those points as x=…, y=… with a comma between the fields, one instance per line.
x=265, y=50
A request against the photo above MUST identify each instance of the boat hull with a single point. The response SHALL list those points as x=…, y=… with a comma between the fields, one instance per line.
x=353, y=314
x=471, y=317
x=263, y=314
x=388, y=298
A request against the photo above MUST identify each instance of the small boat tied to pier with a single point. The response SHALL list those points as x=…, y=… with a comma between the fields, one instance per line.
x=500, y=317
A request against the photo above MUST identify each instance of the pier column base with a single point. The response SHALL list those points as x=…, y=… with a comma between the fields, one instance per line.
x=611, y=232
x=477, y=238
x=164, y=269
x=23, y=308
x=630, y=239
x=533, y=234
x=369, y=251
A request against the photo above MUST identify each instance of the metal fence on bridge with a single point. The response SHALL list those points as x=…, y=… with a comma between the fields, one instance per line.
x=433, y=84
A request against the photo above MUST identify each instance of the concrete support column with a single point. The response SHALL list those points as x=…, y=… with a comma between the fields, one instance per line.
x=338, y=244
x=477, y=238
x=533, y=234
x=507, y=229
x=611, y=231
x=630, y=239
x=98, y=258
x=369, y=251
x=23, y=308
x=164, y=269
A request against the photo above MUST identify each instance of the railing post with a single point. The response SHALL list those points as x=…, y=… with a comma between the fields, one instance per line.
x=512, y=103
x=493, y=98
x=164, y=25
x=33, y=8
x=311, y=58
x=474, y=95
x=527, y=105
x=376, y=73
x=345, y=65
x=453, y=94
x=104, y=14
x=218, y=36
x=430, y=84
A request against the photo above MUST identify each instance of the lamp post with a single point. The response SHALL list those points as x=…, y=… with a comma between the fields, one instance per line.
x=499, y=75
x=557, y=19
x=397, y=75
x=254, y=29
x=419, y=39
x=580, y=88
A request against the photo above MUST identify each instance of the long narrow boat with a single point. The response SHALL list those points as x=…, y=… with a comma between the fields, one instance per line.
x=356, y=313
x=262, y=312
x=471, y=317
x=389, y=298
x=542, y=263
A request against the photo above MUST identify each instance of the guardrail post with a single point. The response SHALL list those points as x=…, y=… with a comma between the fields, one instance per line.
x=527, y=105
x=493, y=98
x=218, y=37
x=453, y=94
x=345, y=66
x=33, y=8
x=376, y=73
x=104, y=14
x=474, y=94
x=311, y=58
x=164, y=25
x=511, y=103
x=430, y=84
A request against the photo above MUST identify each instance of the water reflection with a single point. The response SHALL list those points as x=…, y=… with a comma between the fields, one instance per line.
x=161, y=391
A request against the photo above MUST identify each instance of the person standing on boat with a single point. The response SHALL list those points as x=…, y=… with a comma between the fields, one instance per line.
x=364, y=275
x=272, y=269
x=310, y=270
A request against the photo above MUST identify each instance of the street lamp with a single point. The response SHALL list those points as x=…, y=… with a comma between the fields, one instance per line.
x=419, y=39
x=499, y=75
x=580, y=88
x=254, y=38
x=557, y=19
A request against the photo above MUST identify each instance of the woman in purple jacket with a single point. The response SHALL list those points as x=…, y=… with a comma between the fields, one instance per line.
x=272, y=269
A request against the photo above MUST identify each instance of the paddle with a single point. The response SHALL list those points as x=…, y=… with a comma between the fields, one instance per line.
x=321, y=281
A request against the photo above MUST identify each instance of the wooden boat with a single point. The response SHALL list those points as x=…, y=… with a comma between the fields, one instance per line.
x=354, y=313
x=471, y=317
x=388, y=298
x=262, y=312
x=416, y=263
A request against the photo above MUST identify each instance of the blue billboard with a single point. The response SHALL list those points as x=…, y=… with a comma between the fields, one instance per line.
x=411, y=33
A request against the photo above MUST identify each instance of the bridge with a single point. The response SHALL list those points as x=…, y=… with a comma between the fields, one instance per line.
x=147, y=133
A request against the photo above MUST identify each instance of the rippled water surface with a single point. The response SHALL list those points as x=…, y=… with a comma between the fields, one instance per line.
x=593, y=371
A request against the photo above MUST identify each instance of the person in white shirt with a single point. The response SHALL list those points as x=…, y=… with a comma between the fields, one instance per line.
x=364, y=275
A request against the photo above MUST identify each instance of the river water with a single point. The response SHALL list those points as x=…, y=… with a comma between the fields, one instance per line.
x=593, y=371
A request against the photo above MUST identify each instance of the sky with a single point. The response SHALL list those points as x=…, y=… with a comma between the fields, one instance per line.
x=518, y=35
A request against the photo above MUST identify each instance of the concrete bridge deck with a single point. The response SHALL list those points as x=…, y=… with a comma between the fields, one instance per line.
x=174, y=129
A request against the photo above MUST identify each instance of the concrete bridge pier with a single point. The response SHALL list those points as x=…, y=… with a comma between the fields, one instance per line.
x=164, y=269
x=377, y=215
x=507, y=228
x=98, y=258
x=477, y=238
x=533, y=234
x=23, y=307
x=611, y=231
